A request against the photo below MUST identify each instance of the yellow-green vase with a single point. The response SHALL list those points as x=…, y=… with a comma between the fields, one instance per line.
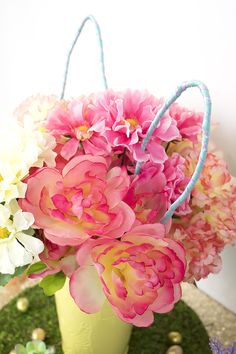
x=99, y=333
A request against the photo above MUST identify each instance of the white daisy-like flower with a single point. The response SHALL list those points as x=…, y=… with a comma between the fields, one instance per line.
x=17, y=247
x=20, y=149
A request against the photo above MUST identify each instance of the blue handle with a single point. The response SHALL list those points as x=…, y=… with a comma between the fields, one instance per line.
x=100, y=43
x=205, y=139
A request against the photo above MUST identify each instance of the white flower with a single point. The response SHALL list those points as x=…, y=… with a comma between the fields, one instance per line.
x=34, y=110
x=20, y=149
x=17, y=248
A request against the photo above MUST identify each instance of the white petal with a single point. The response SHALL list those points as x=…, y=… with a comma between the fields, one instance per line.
x=32, y=244
x=22, y=220
x=18, y=254
x=13, y=206
x=4, y=215
x=6, y=266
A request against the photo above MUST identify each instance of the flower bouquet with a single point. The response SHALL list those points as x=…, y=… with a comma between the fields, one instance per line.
x=101, y=190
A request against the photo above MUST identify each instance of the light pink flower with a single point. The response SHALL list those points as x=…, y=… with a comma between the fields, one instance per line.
x=82, y=201
x=212, y=223
x=73, y=124
x=188, y=122
x=202, y=245
x=128, y=116
x=139, y=275
x=213, y=183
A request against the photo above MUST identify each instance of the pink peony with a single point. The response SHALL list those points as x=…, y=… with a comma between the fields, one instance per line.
x=188, y=122
x=82, y=201
x=139, y=275
x=128, y=116
x=73, y=125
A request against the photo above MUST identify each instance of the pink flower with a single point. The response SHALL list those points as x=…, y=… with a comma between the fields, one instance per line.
x=188, y=122
x=82, y=201
x=213, y=183
x=128, y=116
x=156, y=187
x=201, y=243
x=139, y=275
x=176, y=182
x=72, y=124
x=212, y=223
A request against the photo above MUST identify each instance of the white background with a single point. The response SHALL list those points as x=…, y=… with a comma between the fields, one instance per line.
x=148, y=44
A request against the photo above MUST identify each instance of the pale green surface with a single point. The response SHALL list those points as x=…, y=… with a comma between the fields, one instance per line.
x=102, y=332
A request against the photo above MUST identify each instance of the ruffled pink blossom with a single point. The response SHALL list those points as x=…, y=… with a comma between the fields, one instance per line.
x=213, y=183
x=73, y=125
x=201, y=244
x=188, y=122
x=128, y=116
x=139, y=275
x=82, y=201
x=212, y=223
x=156, y=187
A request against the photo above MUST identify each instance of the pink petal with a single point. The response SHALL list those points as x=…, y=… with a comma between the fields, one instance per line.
x=118, y=182
x=86, y=289
x=144, y=320
x=153, y=230
x=165, y=297
x=123, y=221
x=69, y=149
x=139, y=154
x=157, y=152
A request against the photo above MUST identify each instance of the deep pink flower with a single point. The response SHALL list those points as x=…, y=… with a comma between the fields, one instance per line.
x=139, y=275
x=128, y=116
x=82, y=201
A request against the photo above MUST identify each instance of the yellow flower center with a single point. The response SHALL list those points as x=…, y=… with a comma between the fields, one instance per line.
x=4, y=233
x=132, y=121
x=82, y=132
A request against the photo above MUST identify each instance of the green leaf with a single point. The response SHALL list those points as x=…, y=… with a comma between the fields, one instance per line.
x=36, y=268
x=5, y=278
x=19, y=271
x=52, y=283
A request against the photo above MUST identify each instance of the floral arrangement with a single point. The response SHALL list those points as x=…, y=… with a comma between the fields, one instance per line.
x=72, y=206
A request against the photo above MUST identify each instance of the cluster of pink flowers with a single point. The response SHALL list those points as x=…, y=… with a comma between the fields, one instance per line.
x=100, y=223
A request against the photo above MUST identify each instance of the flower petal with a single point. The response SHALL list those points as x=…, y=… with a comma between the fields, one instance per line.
x=86, y=289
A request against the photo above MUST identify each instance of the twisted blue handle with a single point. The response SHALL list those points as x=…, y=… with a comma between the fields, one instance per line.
x=205, y=139
x=100, y=43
